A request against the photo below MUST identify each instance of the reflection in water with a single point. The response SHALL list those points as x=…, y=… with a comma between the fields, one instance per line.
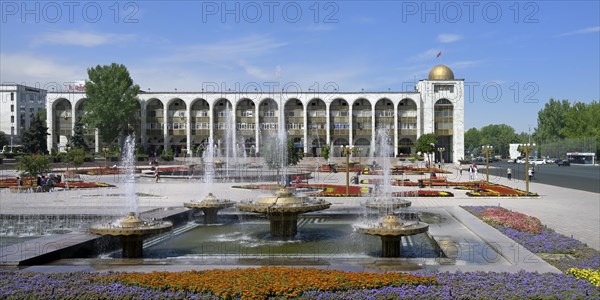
x=321, y=237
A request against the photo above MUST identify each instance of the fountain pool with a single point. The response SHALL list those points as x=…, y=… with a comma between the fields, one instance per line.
x=320, y=237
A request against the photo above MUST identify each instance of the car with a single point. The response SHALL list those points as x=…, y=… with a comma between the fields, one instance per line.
x=562, y=162
x=538, y=161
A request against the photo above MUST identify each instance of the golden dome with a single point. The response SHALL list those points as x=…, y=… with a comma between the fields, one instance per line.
x=441, y=72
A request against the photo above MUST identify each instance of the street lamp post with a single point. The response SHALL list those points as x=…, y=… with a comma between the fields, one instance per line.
x=487, y=149
x=528, y=147
x=441, y=151
x=346, y=151
x=105, y=149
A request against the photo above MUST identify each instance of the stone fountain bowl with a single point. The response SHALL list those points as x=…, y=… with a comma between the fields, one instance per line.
x=392, y=225
x=131, y=225
x=283, y=202
x=210, y=201
x=387, y=203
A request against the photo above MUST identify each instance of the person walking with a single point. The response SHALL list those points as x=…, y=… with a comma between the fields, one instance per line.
x=475, y=171
x=509, y=173
x=460, y=169
x=156, y=175
x=530, y=174
x=470, y=172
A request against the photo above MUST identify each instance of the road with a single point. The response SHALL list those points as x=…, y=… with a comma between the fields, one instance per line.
x=585, y=178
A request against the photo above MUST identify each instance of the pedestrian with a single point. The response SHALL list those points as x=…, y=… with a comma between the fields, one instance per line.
x=156, y=175
x=470, y=172
x=475, y=171
x=19, y=182
x=39, y=181
x=509, y=173
x=530, y=174
x=460, y=169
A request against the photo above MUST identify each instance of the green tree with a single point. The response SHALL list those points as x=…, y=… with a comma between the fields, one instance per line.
x=426, y=144
x=499, y=136
x=472, y=140
x=75, y=157
x=294, y=155
x=78, y=139
x=325, y=151
x=111, y=101
x=33, y=165
x=3, y=139
x=551, y=121
x=34, y=139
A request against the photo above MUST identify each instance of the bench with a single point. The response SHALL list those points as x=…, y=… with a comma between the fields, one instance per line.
x=438, y=181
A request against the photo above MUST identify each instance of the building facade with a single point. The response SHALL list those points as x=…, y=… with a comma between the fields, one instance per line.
x=18, y=105
x=184, y=121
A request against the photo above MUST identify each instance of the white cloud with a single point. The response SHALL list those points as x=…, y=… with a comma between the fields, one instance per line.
x=448, y=38
x=261, y=73
x=231, y=50
x=80, y=38
x=425, y=55
x=35, y=69
x=581, y=31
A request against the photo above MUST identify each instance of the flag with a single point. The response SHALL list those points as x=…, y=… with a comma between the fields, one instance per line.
x=439, y=54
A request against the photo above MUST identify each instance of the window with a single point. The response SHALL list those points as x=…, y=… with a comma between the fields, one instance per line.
x=12, y=108
x=269, y=113
x=12, y=119
x=12, y=96
x=247, y=113
x=443, y=88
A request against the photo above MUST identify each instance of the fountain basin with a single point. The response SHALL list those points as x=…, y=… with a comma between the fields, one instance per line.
x=391, y=229
x=282, y=210
x=210, y=206
x=132, y=230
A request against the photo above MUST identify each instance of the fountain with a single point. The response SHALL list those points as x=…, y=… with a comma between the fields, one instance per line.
x=391, y=229
x=392, y=226
x=210, y=206
x=282, y=210
x=132, y=229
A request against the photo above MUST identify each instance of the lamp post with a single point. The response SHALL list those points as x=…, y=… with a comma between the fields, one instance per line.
x=487, y=149
x=105, y=149
x=346, y=151
x=528, y=147
x=441, y=151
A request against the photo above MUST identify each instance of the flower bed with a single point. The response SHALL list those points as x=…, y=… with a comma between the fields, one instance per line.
x=332, y=190
x=82, y=185
x=515, y=220
x=590, y=275
x=571, y=253
x=423, y=193
x=478, y=285
x=265, y=282
x=493, y=190
x=305, y=283
x=32, y=183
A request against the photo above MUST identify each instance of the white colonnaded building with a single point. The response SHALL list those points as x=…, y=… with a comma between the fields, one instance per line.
x=187, y=120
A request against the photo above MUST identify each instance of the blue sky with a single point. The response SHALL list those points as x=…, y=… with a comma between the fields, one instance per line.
x=514, y=56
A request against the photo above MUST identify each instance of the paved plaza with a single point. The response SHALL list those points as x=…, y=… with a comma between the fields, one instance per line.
x=570, y=212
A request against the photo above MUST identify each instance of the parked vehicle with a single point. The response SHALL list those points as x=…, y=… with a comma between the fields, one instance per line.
x=562, y=162
x=538, y=161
